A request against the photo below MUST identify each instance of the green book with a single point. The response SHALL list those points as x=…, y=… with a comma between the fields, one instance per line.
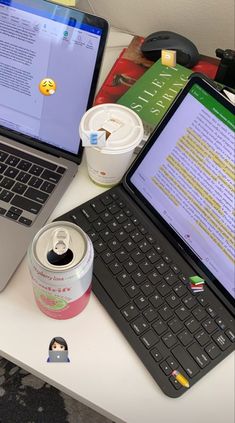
x=152, y=94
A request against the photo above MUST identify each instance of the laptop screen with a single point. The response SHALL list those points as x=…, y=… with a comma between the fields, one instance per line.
x=48, y=55
x=188, y=177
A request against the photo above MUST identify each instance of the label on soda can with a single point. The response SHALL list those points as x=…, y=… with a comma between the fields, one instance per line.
x=61, y=263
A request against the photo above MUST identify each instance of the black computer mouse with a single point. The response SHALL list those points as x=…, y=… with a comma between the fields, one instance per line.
x=186, y=52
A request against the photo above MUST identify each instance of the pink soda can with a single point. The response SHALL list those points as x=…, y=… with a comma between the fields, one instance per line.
x=60, y=261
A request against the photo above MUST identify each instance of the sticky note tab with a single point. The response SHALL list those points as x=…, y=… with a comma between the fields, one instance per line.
x=169, y=58
x=94, y=138
x=196, y=279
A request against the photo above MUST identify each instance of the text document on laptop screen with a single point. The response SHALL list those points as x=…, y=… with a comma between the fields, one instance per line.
x=43, y=42
x=188, y=177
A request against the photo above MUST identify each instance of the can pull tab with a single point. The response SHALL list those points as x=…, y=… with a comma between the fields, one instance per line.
x=60, y=242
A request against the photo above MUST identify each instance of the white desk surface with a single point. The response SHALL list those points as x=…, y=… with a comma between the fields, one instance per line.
x=104, y=372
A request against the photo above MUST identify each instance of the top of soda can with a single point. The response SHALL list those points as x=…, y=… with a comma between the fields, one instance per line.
x=59, y=246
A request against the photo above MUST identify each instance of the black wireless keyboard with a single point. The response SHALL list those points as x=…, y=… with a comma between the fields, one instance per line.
x=143, y=283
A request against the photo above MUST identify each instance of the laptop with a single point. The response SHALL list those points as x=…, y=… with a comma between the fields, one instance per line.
x=50, y=57
x=170, y=223
x=58, y=356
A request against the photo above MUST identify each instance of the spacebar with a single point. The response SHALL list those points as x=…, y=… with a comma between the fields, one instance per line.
x=110, y=284
x=185, y=361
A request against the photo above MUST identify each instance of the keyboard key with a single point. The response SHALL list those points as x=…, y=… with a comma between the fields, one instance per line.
x=175, y=268
x=162, y=267
x=173, y=300
x=113, y=226
x=180, y=289
x=15, y=210
x=114, y=245
x=12, y=216
x=220, y=322
x=35, y=182
x=209, y=325
x=189, y=301
x=130, y=266
x=169, y=339
x=163, y=288
x=159, y=326
x=211, y=312
x=175, y=325
x=221, y=340
x=192, y=325
x=202, y=300
x=124, y=278
x=121, y=235
x=156, y=354
x=11, y=172
x=202, y=337
x=47, y=187
x=122, y=255
x=213, y=351
x=6, y=195
x=24, y=165
x=147, y=288
x=140, y=325
x=149, y=339
x=152, y=256
x=2, y=211
x=185, y=360
x=129, y=227
x=110, y=285
x=132, y=290
x=182, y=312
x=106, y=235
x=2, y=168
x=115, y=267
x=51, y=176
x=97, y=206
x=173, y=363
x=25, y=221
x=156, y=300
x=23, y=177
x=36, y=170
x=171, y=278
x=166, y=368
x=106, y=200
x=130, y=312
x=230, y=334
x=36, y=195
x=113, y=208
x=107, y=256
x=120, y=217
x=129, y=246
x=199, y=313
x=199, y=355
x=137, y=256
x=19, y=188
x=7, y=183
x=150, y=314
x=145, y=246
x=154, y=277
x=185, y=337
x=138, y=276
x=25, y=204
x=141, y=302
x=99, y=225
x=175, y=383
x=61, y=170
x=99, y=246
x=146, y=266
x=3, y=156
x=12, y=161
x=165, y=312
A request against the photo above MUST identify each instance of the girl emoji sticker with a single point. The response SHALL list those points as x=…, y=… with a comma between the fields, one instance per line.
x=58, y=351
x=47, y=87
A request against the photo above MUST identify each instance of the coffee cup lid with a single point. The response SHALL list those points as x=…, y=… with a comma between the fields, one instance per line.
x=123, y=127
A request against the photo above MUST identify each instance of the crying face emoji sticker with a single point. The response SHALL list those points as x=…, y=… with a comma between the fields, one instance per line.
x=47, y=87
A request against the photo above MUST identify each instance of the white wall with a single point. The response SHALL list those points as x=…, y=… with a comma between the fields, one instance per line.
x=208, y=23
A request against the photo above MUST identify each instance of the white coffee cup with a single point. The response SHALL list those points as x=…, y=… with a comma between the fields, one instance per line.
x=124, y=131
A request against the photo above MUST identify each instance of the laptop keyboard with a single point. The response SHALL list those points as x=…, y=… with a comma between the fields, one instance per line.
x=147, y=293
x=26, y=183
